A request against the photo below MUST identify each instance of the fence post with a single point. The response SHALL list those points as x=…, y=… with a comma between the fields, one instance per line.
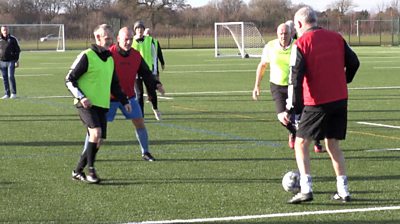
x=192, y=36
x=169, y=35
x=350, y=21
x=380, y=31
x=392, y=31
x=358, y=32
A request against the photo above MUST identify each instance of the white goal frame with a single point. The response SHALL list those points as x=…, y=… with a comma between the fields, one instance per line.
x=233, y=39
x=41, y=30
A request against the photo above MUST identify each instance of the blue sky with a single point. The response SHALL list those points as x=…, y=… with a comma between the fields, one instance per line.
x=317, y=4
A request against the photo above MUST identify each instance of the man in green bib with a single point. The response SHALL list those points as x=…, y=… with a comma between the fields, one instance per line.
x=90, y=79
x=148, y=49
x=276, y=53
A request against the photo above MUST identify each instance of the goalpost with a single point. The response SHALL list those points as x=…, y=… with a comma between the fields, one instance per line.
x=378, y=32
x=39, y=36
x=233, y=39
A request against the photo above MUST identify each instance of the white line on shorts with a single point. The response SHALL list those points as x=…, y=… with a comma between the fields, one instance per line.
x=232, y=218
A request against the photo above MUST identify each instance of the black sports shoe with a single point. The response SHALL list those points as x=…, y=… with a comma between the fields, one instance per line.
x=92, y=176
x=78, y=176
x=300, y=197
x=337, y=197
x=148, y=157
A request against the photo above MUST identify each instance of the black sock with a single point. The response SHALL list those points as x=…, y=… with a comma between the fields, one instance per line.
x=82, y=163
x=91, y=153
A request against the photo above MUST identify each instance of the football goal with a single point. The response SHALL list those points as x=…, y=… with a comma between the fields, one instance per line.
x=39, y=36
x=238, y=39
x=378, y=32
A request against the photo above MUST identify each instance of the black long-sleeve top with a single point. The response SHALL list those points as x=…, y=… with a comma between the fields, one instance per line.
x=80, y=67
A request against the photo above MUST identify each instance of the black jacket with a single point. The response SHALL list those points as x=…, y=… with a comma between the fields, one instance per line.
x=9, y=48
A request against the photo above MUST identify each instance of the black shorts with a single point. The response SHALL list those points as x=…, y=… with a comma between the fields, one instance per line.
x=94, y=117
x=279, y=95
x=324, y=121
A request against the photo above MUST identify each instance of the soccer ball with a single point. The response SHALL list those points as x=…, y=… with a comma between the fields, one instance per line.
x=291, y=182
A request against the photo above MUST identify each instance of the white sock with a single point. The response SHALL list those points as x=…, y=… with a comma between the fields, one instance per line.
x=342, y=186
x=305, y=184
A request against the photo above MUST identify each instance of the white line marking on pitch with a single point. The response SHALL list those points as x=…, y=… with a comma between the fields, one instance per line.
x=272, y=215
x=372, y=88
x=209, y=71
x=382, y=150
x=395, y=67
x=222, y=92
x=33, y=75
x=49, y=97
x=379, y=125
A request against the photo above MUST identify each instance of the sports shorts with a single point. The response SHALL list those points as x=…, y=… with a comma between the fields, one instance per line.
x=279, y=95
x=135, y=113
x=324, y=121
x=94, y=117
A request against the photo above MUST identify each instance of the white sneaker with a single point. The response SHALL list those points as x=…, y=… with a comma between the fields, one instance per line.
x=157, y=114
x=13, y=96
x=5, y=97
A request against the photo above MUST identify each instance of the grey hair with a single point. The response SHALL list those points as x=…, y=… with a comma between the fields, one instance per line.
x=100, y=29
x=290, y=23
x=307, y=14
x=287, y=27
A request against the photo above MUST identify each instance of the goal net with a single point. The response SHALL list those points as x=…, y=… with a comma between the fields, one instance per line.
x=378, y=32
x=39, y=36
x=238, y=39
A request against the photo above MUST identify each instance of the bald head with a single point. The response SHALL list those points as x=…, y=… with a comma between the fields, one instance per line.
x=125, y=38
x=304, y=19
x=283, y=34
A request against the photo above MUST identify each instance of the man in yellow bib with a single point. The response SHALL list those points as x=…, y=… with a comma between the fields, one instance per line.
x=90, y=80
x=147, y=48
x=276, y=53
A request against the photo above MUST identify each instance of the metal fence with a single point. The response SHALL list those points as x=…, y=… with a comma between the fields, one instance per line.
x=383, y=32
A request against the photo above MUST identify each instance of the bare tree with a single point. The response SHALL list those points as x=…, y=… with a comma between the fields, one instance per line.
x=230, y=10
x=270, y=13
x=209, y=14
x=395, y=5
x=381, y=6
x=156, y=9
x=343, y=6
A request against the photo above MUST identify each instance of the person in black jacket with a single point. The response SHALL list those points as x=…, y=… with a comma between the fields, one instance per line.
x=9, y=56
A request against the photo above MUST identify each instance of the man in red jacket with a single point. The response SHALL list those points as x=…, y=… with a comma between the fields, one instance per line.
x=321, y=66
x=128, y=63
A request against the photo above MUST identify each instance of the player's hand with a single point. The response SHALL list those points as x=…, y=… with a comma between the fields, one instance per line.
x=163, y=67
x=128, y=107
x=86, y=103
x=256, y=93
x=16, y=64
x=160, y=89
x=283, y=117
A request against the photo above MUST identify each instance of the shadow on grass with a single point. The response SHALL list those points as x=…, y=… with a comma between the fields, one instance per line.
x=5, y=184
